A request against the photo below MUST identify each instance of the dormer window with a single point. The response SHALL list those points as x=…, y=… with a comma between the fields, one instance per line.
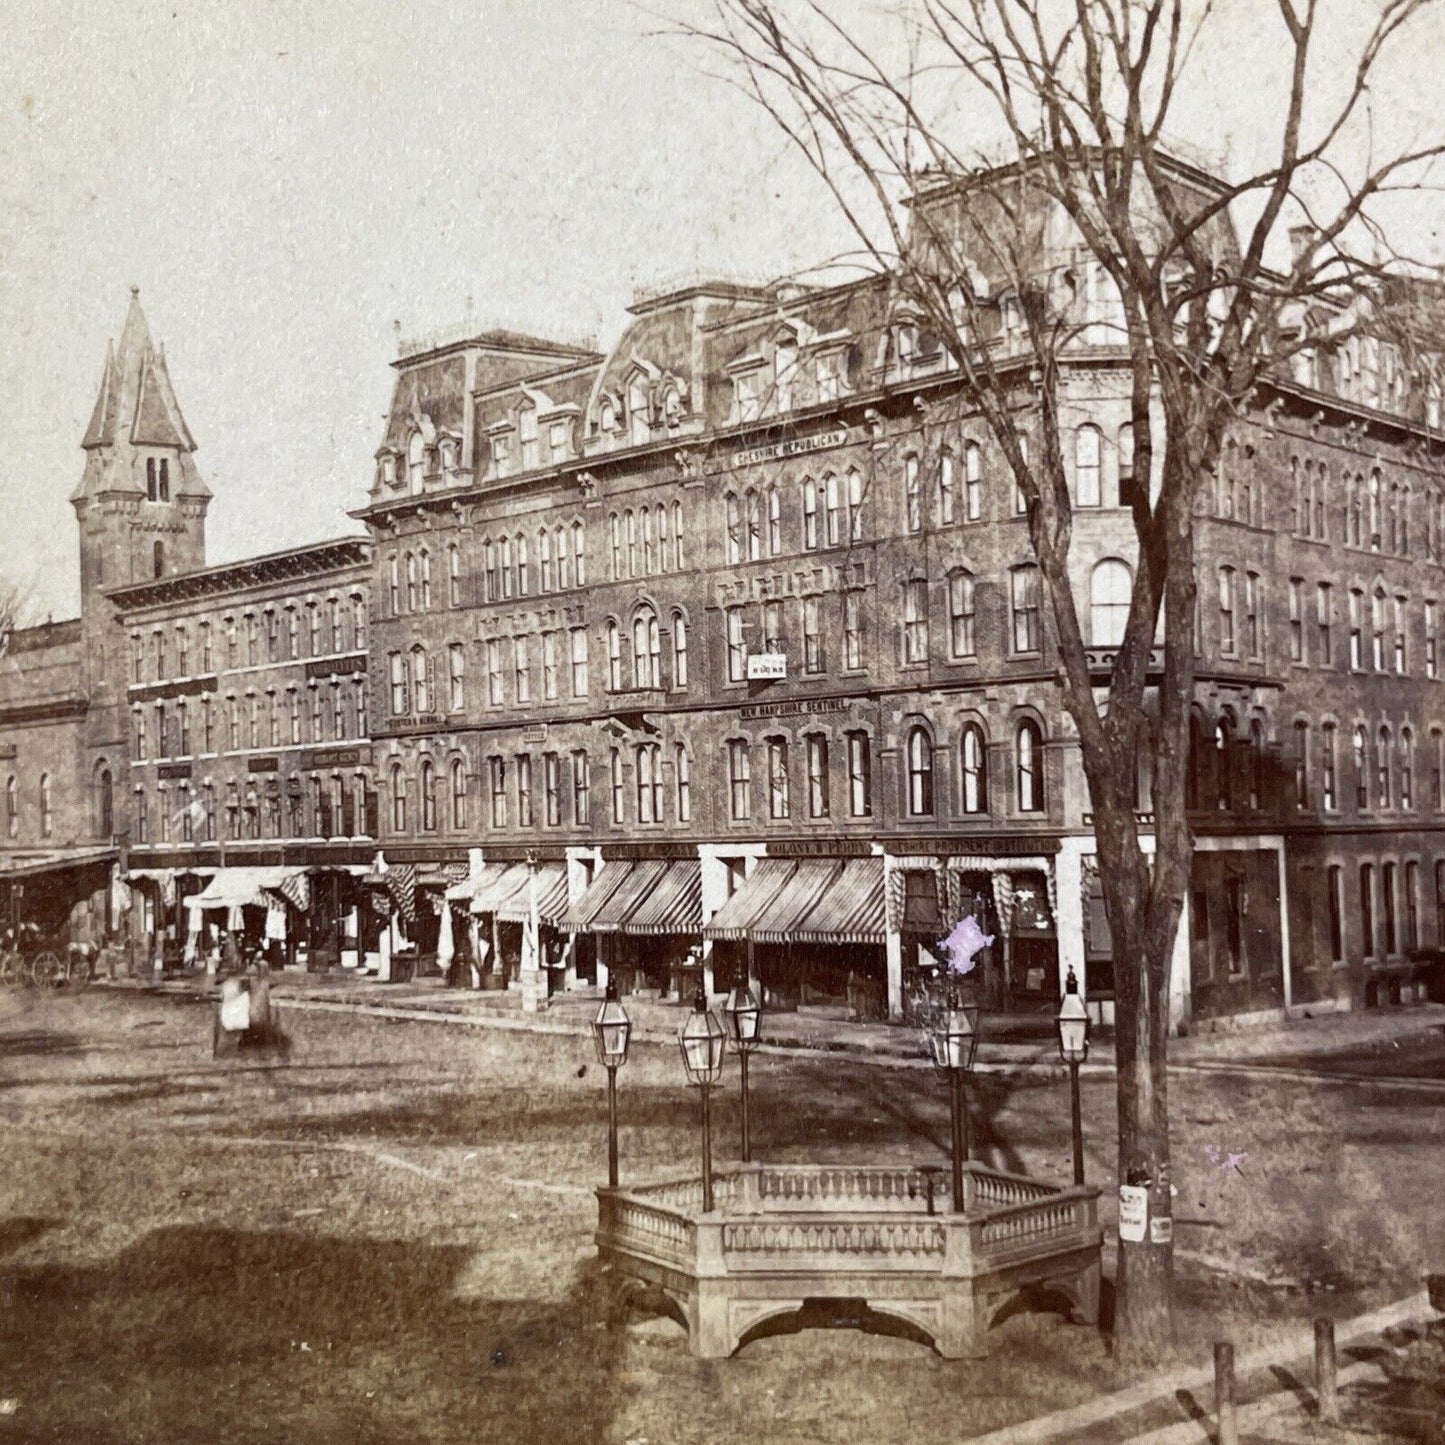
x=449, y=455
x=416, y=461
x=748, y=389
x=918, y=348
x=388, y=470
x=672, y=406
x=607, y=415
x=527, y=434
x=558, y=443
x=830, y=376
x=785, y=370
x=502, y=454
x=639, y=413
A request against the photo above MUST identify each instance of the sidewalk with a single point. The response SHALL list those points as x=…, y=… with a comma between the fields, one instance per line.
x=1007, y=1042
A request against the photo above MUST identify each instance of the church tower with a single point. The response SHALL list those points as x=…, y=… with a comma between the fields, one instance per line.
x=140, y=502
x=141, y=506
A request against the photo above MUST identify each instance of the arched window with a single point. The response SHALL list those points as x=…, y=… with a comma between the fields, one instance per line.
x=1362, y=768
x=527, y=436
x=754, y=523
x=972, y=482
x=1029, y=763
x=649, y=543
x=12, y=805
x=961, y=632
x=522, y=584
x=614, y=656
x=734, y=527
x=1407, y=768
x=459, y=793
x=421, y=680
x=46, y=818
x=947, y=490
x=810, y=514
x=509, y=566
x=678, y=547
x=1374, y=519
x=412, y=594
x=1383, y=769
x=454, y=591
x=544, y=559
x=833, y=509
x=664, y=540
x=614, y=530
x=920, y=773
x=855, y=505
x=564, y=562
x=1256, y=763
x=415, y=460
x=428, y=796
x=1110, y=588
x=105, y=788
x=1224, y=763
x=973, y=755
x=775, y=523
x=579, y=554
x=1087, y=452
x=646, y=650
x=679, y=650
x=398, y=799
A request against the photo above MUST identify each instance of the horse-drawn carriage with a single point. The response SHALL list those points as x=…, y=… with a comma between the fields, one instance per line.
x=30, y=955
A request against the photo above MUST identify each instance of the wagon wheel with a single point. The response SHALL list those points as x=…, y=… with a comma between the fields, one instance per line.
x=9, y=965
x=45, y=967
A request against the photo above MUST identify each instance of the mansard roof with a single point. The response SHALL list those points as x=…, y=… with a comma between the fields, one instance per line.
x=137, y=403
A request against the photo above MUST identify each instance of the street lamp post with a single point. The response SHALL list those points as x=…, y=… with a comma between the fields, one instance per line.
x=1074, y=1049
x=612, y=1033
x=952, y=1040
x=745, y=1025
x=703, y=1042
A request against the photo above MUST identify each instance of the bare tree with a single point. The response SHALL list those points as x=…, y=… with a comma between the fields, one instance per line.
x=17, y=609
x=1079, y=226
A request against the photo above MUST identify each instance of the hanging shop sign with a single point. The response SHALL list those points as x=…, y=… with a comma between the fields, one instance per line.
x=767, y=667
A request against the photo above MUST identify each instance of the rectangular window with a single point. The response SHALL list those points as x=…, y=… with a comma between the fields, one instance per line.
x=579, y=661
x=1432, y=642
x=1367, y=909
x=778, y=802
x=740, y=781
x=1401, y=666
x=549, y=666
x=737, y=649
x=1377, y=631
x=619, y=796
x=1387, y=897
x=860, y=776
x=207, y=659
x=812, y=635
x=1412, y=906
x=494, y=672
x=683, y=781
x=915, y=622
x=1324, y=625
x=581, y=788
x=961, y=615
x=524, y=790
x=817, y=751
x=913, y=491
x=497, y=780
x=1296, y=621
x=1357, y=608
x=522, y=667
x=1024, y=585
x=946, y=489
x=1335, y=903
x=552, y=788
x=457, y=668
x=1302, y=765
x=772, y=626
x=1226, y=609
x=810, y=517
x=852, y=631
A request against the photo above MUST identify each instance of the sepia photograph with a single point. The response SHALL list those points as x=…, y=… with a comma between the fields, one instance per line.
x=722, y=721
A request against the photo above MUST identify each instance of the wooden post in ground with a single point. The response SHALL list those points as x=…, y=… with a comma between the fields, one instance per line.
x=1326, y=1385
x=1224, y=1394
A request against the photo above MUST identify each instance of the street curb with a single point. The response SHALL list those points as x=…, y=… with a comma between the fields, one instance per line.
x=542, y=1025
x=1066, y=1424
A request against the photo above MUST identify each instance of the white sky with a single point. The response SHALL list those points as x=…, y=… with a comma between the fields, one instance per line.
x=283, y=180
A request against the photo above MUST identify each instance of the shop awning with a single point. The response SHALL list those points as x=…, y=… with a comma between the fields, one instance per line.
x=483, y=887
x=779, y=919
x=609, y=880
x=673, y=906
x=238, y=887
x=551, y=897
x=848, y=910
x=622, y=903
x=33, y=865
x=734, y=920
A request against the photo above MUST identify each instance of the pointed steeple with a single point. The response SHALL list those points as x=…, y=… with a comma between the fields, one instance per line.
x=136, y=393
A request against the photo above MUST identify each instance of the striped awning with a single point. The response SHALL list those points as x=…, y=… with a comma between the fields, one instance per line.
x=734, y=920
x=465, y=890
x=674, y=905
x=622, y=902
x=551, y=897
x=243, y=886
x=778, y=919
x=499, y=881
x=848, y=909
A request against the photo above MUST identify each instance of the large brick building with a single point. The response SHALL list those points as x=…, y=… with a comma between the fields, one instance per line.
x=726, y=648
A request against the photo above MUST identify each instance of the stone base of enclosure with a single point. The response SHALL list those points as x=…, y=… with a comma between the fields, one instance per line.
x=782, y=1237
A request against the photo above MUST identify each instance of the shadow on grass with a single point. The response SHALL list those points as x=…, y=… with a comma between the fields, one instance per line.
x=215, y=1334
x=38, y=1042
x=21, y=1230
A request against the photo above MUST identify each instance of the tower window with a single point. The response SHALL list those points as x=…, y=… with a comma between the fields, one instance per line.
x=158, y=559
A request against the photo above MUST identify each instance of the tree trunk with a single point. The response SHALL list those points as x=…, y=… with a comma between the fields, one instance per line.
x=1143, y=1321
